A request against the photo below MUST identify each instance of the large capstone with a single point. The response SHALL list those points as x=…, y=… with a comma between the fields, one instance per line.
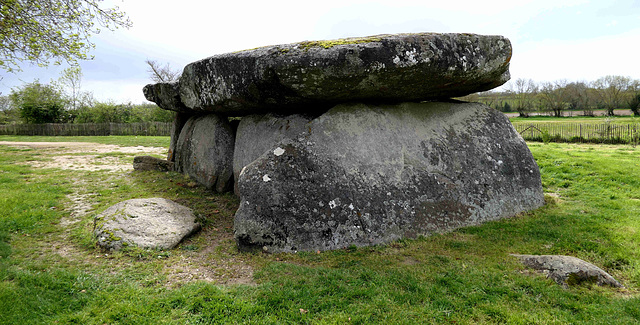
x=313, y=76
x=204, y=151
x=369, y=174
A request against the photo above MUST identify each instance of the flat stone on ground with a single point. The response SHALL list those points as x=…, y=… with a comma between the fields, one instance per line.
x=154, y=223
x=150, y=163
x=568, y=270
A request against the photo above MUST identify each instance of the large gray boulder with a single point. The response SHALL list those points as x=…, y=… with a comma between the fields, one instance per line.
x=150, y=163
x=179, y=120
x=258, y=133
x=366, y=174
x=154, y=223
x=313, y=76
x=204, y=151
x=568, y=270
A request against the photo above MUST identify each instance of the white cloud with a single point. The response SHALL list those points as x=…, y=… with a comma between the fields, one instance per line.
x=586, y=59
x=551, y=39
x=120, y=91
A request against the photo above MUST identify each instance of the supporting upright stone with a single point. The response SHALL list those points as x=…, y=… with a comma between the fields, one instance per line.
x=370, y=174
x=179, y=120
x=258, y=133
x=204, y=151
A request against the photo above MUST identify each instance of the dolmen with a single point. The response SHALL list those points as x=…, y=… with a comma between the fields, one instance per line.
x=356, y=141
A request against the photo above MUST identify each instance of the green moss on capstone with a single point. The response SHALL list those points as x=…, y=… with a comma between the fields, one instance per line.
x=343, y=41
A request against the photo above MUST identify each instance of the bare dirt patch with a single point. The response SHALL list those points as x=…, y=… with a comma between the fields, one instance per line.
x=83, y=155
x=213, y=260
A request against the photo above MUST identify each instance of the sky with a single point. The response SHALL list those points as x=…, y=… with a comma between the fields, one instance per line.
x=573, y=40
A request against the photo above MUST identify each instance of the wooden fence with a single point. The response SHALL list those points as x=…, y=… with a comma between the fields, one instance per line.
x=536, y=131
x=579, y=132
x=88, y=129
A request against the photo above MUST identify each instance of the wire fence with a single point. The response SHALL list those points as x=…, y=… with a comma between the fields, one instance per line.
x=88, y=129
x=537, y=131
x=603, y=132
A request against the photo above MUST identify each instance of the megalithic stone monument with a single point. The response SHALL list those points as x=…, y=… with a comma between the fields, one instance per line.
x=353, y=141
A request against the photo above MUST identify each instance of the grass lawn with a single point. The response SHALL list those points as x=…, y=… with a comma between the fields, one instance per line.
x=112, y=139
x=52, y=272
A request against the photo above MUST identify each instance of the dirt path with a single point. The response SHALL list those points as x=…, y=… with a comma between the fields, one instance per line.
x=83, y=155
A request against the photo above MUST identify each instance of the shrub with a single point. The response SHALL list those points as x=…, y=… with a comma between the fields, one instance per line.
x=38, y=103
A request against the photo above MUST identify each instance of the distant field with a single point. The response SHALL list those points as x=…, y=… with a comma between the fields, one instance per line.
x=601, y=129
x=577, y=119
x=597, y=112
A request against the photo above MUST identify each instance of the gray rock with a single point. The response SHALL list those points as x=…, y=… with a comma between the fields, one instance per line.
x=204, y=151
x=258, y=133
x=568, y=270
x=166, y=95
x=364, y=175
x=149, y=163
x=155, y=223
x=313, y=76
x=179, y=120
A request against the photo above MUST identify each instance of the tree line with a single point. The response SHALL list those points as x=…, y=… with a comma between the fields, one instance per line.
x=63, y=101
x=525, y=96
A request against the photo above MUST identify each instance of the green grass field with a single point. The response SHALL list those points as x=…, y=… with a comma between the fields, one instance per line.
x=52, y=272
x=116, y=140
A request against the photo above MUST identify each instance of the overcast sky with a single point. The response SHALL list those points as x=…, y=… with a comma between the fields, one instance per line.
x=552, y=39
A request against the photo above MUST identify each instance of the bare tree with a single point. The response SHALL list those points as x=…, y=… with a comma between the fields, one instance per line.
x=159, y=73
x=524, y=91
x=553, y=96
x=578, y=98
x=487, y=98
x=612, y=90
x=71, y=78
x=633, y=97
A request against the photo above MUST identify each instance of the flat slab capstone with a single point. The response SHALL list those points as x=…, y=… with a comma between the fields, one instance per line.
x=365, y=174
x=314, y=76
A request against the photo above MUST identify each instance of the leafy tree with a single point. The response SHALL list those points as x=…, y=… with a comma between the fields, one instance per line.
x=150, y=113
x=38, y=103
x=103, y=112
x=110, y=112
x=41, y=31
x=8, y=113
